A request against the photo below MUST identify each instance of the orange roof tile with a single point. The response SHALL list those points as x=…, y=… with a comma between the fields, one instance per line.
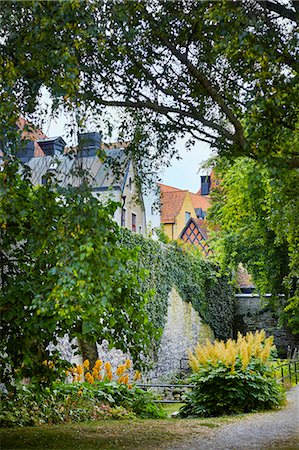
x=166, y=188
x=31, y=133
x=171, y=203
x=200, y=201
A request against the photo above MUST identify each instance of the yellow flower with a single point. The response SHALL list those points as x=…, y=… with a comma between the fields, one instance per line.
x=130, y=386
x=95, y=373
x=91, y=379
x=98, y=364
x=80, y=392
x=45, y=362
x=80, y=370
x=86, y=364
x=107, y=366
x=137, y=375
x=128, y=363
x=109, y=375
x=100, y=377
x=120, y=370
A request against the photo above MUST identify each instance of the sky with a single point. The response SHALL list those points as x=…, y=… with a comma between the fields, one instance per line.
x=185, y=173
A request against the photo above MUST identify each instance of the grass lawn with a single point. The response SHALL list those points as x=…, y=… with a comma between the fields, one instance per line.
x=109, y=434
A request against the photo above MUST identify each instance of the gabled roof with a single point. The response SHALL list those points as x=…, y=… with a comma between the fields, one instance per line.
x=67, y=167
x=171, y=204
x=195, y=233
x=172, y=199
x=166, y=188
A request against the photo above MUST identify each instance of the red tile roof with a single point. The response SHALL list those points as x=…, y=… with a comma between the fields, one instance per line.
x=200, y=201
x=171, y=204
x=172, y=199
x=31, y=133
x=165, y=188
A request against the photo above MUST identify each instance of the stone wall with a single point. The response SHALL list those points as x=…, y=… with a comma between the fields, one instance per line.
x=252, y=313
x=183, y=329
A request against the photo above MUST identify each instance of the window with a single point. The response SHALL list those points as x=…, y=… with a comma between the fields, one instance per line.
x=123, y=217
x=187, y=216
x=130, y=184
x=134, y=222
x=140, y=229
x=44, y=180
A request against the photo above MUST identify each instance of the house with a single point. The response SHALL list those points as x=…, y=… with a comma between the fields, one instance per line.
x=183, y=213
x=111, y=176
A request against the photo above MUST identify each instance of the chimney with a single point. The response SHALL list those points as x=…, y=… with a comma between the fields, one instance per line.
x=52, y=146
x=205, y=184
x=26, y=151
x=89, y=143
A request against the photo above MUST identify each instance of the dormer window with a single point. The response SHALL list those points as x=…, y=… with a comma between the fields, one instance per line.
x=187, y=216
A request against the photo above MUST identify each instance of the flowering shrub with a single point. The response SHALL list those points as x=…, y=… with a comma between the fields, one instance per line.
x=232, y=377
x=95, y=393
x=103, y=372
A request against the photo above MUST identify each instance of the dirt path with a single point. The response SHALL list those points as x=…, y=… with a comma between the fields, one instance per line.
x=277, y=429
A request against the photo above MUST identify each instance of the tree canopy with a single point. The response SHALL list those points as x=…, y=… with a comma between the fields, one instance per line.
x=257, y=224
x=63, y=271
x=223, y=72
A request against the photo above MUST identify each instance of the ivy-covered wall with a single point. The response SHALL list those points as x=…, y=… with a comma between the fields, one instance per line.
x=195, y=278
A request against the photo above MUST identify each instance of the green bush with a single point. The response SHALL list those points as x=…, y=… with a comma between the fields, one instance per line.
x=232, y=377
x=76, y=402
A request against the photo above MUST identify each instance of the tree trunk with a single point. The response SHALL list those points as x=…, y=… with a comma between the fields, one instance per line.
x=89, y=351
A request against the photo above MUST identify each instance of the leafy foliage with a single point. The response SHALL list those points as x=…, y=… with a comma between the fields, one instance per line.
x=256, y=216
x=222, y=72
x=76, y=403
x=232, y=377
x=195, y=277
x=63, y=272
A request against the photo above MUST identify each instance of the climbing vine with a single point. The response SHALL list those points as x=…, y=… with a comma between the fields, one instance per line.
x=196, y=279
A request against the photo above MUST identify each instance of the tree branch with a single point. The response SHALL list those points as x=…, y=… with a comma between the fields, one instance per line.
x=161, y=109
x=239, y=135
x=280, y=9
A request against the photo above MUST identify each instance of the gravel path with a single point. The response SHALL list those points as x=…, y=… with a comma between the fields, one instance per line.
x=277, y=429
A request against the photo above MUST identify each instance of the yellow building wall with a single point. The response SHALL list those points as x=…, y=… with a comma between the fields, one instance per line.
x=174, y=230
x=167, y=228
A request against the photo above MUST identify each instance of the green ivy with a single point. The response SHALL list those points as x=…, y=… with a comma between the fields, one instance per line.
x=195, y=277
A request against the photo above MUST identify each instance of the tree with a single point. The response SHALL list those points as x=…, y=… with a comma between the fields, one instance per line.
x=63, y=271
x=257, y=224
x=223, y=72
